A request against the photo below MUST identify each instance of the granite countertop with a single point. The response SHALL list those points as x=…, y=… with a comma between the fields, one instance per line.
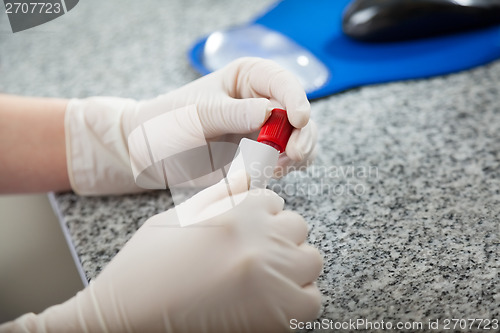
x=404, y=198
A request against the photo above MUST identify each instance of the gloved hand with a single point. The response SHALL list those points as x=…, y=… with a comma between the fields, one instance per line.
x=225, y=105
x=245, y=270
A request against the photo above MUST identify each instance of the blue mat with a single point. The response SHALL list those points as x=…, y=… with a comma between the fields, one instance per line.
x=316, y=26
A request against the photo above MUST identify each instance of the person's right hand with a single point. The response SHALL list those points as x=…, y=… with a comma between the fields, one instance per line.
x=245, y=270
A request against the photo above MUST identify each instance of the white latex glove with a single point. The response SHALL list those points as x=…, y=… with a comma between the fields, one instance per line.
x=246, y=270
x=234, y=100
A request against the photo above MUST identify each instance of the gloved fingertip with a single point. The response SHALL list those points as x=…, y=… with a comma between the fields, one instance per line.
x=259, y=110
x=299, y=117
x=295, y=154
x=279, y=205
x=268, y=107
x=294, y=149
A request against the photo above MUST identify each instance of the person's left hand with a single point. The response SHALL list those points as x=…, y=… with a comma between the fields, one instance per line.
x=232, y=102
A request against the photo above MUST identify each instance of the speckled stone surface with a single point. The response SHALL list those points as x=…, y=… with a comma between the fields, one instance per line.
x=403, y=202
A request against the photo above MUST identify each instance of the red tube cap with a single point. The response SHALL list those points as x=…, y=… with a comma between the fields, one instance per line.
x=276, y=130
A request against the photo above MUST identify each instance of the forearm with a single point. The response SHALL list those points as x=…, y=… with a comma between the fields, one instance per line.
x=32, y=145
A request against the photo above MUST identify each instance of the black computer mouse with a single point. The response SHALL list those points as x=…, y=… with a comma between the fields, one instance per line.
x=398, y=20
